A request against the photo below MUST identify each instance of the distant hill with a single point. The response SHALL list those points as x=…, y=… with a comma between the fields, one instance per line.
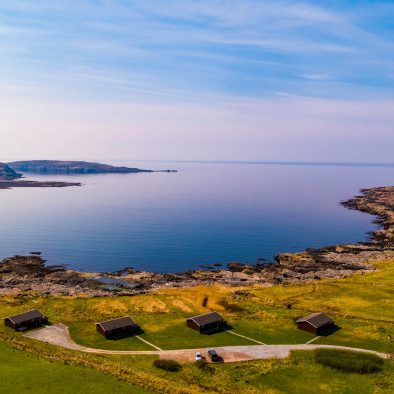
x=7, y=173
x=69, y=167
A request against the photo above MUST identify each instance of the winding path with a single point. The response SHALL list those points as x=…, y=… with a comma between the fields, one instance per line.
x=59, y=335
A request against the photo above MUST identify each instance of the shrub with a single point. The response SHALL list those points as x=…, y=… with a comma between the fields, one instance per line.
x=230, y=307
x=204, y=365
x=167, y=365
x=348, y=361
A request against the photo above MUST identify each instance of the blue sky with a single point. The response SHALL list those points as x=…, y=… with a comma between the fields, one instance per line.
x=210, y=79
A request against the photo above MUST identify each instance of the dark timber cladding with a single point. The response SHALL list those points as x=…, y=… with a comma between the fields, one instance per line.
x=207, y=322
x=315, y=323
x=25, y=320
x=120, y=326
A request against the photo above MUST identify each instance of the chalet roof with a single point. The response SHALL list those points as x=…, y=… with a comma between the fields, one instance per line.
x=207, y=318
x=117, y=323
x=316, y=320
x=26, y=316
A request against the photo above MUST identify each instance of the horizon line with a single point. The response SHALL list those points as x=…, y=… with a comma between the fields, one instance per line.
x=273, y=162
x=253, y=162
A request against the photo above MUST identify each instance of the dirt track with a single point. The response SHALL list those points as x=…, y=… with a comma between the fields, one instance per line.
x=58, y=335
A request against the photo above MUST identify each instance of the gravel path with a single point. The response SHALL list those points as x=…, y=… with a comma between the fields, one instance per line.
x=59, y=335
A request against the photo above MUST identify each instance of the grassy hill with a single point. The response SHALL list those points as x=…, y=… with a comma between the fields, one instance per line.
x=362, y=306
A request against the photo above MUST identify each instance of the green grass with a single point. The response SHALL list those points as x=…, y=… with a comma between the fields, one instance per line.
x=366, y=320
x=346, y=361
x=22, y=373
x=361, y=305
x=85, y=334
x=302, y=375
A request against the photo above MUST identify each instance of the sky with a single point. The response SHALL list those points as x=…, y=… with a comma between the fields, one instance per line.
x=197, y=80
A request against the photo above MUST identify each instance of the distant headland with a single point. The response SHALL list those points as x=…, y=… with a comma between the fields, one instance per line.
x=72, y=167
x=12, y=172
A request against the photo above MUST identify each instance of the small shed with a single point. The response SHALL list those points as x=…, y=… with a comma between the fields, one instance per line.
x=315, y=323
x=207, y=322
x=25, y=320
x=117, y=327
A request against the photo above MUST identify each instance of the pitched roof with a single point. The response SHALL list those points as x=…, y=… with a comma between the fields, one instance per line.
x=316, y=320
x=26, y=316
x=207, y=318
x=117, y=323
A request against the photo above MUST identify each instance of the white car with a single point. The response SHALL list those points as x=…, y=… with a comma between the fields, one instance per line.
x=198, y=356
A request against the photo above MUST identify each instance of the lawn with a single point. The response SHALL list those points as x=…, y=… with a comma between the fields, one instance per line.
x=21, y=373
x=302, y=375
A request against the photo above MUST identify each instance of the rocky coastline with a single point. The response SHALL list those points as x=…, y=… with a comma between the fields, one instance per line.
x=23, y=275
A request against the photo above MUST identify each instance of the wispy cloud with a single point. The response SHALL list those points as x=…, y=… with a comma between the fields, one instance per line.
x=317, y=76
x=197, y=49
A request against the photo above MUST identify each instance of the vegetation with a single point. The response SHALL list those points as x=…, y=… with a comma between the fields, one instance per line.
x=21, y=373
x=361, y=305
x=167, y=365
x=349, y=361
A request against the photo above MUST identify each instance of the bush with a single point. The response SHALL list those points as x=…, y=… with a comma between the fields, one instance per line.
x=167, y=365
x=204, y=365
x=230, y=307
x=348, y=361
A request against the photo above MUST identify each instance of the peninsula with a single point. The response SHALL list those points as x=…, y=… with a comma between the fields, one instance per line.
x=9, y=177
x=72, y=167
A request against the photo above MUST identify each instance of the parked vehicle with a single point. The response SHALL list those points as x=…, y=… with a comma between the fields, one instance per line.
x=213, y=355
x=198, y=356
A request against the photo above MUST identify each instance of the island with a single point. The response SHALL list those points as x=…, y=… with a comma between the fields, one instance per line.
x=73, y=167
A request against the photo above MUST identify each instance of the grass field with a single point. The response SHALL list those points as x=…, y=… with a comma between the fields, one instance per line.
x=22, y=373
x=362, y=306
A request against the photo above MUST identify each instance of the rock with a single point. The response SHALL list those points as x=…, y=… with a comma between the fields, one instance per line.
x=7, y=173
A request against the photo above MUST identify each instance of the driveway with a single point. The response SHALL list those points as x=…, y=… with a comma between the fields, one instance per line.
x=59, y=335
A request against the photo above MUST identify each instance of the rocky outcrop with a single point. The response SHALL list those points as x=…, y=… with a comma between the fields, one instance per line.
x=375, y=201
x=379, y=202
x=7, y=173
x=21, y=274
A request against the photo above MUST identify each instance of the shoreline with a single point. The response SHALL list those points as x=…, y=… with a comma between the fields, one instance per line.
x=24, y=275
x=25, y=183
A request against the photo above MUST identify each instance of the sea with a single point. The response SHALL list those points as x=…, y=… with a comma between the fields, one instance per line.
x=206, y=213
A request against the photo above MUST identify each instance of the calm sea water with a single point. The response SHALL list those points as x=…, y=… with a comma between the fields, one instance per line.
x=204, y=214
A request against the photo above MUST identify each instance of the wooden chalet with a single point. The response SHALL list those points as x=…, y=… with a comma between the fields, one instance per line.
x=117, y=327
x=207, y=322
x=23, y=321
x=315, y=323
